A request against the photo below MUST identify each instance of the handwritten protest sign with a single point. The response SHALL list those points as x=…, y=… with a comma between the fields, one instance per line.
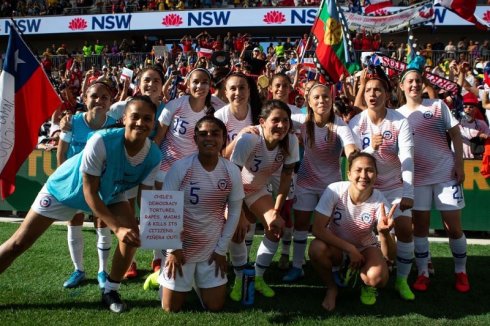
x=161, y=219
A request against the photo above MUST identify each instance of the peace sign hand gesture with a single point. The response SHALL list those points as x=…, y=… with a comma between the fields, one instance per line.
x=386, y=222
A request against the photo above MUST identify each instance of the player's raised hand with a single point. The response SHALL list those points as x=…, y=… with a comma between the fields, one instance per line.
x=386, y=222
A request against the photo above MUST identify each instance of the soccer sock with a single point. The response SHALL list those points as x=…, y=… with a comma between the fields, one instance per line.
x=75, y=245
x=421, y=254
x=266, y=252
x=238, y=257
x=299, y=238
x=110, y=285
x=104, y=242
x=458, y=248
x=286, y=240
x=404, y=258
x=249, y=237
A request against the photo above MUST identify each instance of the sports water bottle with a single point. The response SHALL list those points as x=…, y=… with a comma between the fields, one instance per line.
x=248, y=285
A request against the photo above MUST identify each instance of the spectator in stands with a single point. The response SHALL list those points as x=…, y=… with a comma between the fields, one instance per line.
x=98, y=47
x=450, y=49
x=87, y=49
x=180, y=5
x=484, y=49
x=255, y=61
x=62, y=50
x=228, y=42
x=473, y=130
x=186, y=42
x=47, y=64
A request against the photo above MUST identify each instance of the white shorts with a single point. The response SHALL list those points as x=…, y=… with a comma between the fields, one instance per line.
x=306, y=199
x=251, y=198
x=446, y=196
x=273, y=186
x=394, y=196
x=46, y=205
x=201, y=274
x=160, y=176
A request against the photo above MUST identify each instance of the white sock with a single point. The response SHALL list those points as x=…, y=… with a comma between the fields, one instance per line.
x=75, y=245
x=286, y=240
x=249, y=237
x=111, y=286
x=421, y=254
x=300, y=239
x=266, y=252
x=104, y=242
x=404, y=258
x=238, y=257
x=458, y=248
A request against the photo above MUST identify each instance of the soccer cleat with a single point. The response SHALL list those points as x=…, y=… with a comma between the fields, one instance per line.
x=74, y=280
x=236, y=290
x=368, y=295
x=101, y=278
x=401, y=286
x=294, y=274
x=462, y=284
x=156, y=265
x=263, y=288
x=421, y=283
x=151, y=281
x=113, y=301
x=283, y=263
x=338, y=278
x=132, y=271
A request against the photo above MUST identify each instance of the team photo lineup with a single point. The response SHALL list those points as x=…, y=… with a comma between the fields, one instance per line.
x=339, y=159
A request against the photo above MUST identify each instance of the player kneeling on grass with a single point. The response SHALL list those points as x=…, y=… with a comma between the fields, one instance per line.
x=210, y=184
x=344, y=222
x=113, y=161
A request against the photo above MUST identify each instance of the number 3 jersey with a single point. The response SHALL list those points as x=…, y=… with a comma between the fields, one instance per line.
x=352, y=223
x=206, y=194
x=258, y=162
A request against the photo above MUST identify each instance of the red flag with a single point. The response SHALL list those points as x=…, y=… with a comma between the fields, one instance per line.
x=27, y=99
x=374, y=5
x=204, y=52
x=333, y=54
x=465, y=9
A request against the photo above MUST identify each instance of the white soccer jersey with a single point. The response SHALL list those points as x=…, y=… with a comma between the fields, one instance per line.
x=258, y=162
x=394, y=157
x=206, y=195
x=321, y=161
x=433, y=159
x=179, y=140
x=233, y=125
x=470, y=130
x=352, y=223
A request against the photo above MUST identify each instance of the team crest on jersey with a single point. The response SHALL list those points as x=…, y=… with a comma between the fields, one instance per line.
x=279, y=157
x=45, y=201
x=387, y=135
x=222, y=184
x=366, y=217
x=428, y=115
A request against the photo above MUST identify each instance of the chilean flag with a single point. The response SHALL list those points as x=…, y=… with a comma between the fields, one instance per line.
x=373, y=5
x=27, y=99
x=464, y=9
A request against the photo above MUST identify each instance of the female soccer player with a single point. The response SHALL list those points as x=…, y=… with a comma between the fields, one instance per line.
x=259, y=156
x=95, y=181
x=210, y=184
x=344, y=223
x=438, y=178
x=324, y=136
x=97, y=100
x=386, y=135
x=150, y=84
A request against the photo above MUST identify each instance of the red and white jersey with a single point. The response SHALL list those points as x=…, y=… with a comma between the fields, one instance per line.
x=206, y=195
x=233, y=125
x=470, y=130
x=179, y=140
x=321, y=162
x=217, y=103
x=352, y=223
x=397, y=147
x=258, y=162
x=433, y=159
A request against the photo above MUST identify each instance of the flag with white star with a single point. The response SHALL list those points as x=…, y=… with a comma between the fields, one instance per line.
x=27, y=100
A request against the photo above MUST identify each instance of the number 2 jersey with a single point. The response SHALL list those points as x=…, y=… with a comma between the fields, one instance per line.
x=352, y=223
x=206, y=194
